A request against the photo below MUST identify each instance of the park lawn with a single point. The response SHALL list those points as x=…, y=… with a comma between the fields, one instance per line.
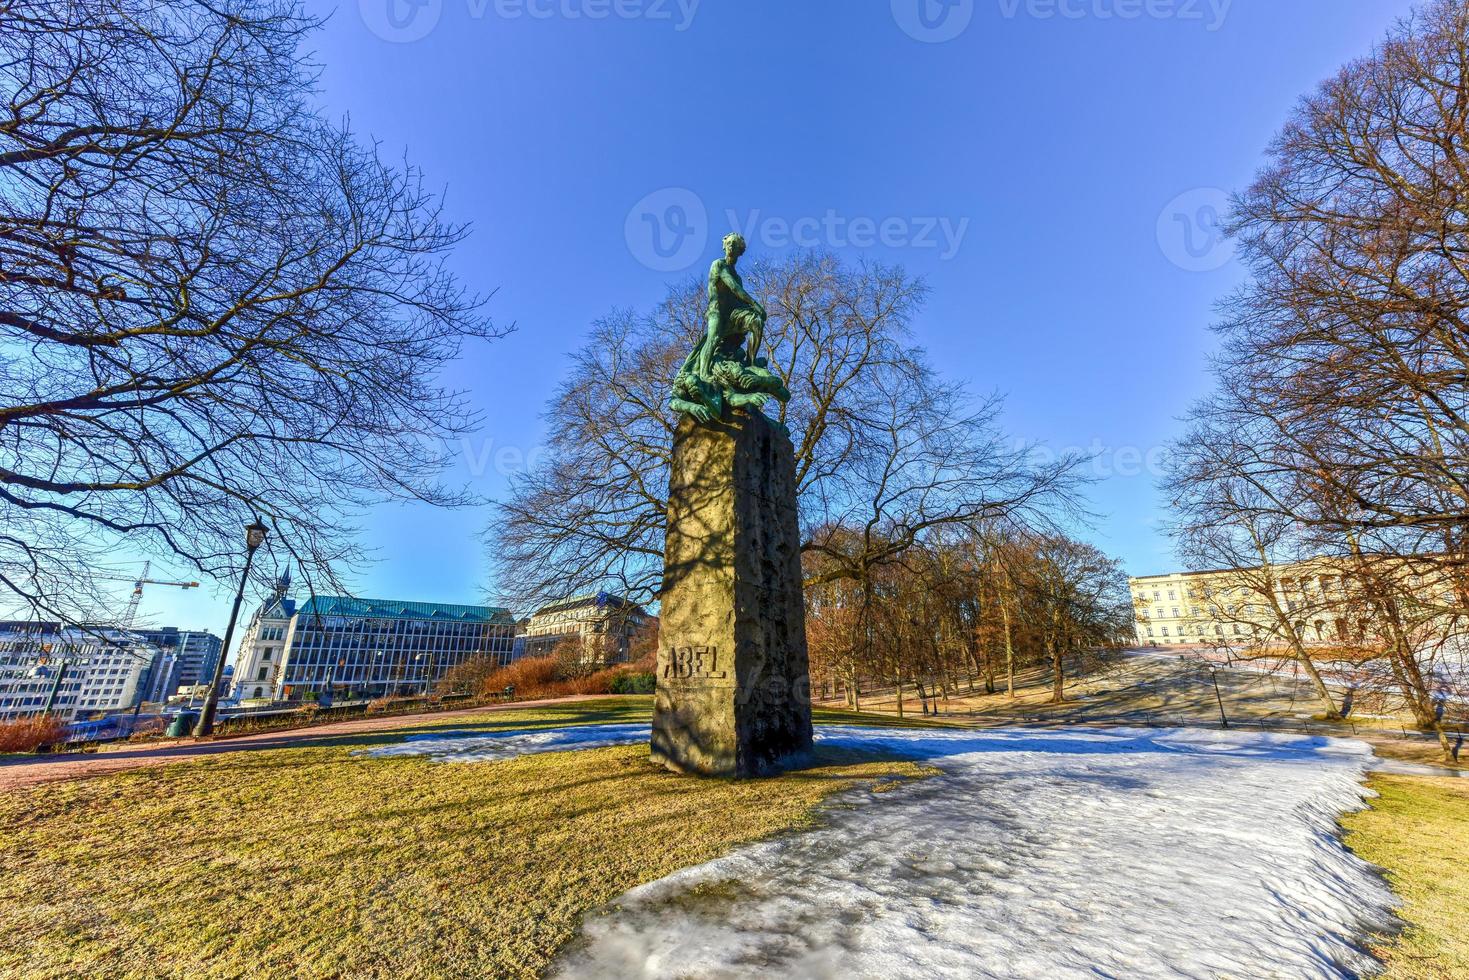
x=318, y=862
x=1418, y=831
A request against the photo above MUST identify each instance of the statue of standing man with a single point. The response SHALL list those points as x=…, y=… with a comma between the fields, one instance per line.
x=724, y=370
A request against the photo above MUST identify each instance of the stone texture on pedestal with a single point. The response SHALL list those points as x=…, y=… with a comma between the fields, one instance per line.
x=733, y=686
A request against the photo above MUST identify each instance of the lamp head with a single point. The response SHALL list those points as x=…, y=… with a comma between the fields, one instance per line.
x=255, y=533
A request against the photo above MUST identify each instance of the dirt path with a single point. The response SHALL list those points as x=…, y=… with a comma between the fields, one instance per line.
x=21, y=771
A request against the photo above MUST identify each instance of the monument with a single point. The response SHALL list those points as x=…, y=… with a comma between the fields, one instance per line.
x=733, y=688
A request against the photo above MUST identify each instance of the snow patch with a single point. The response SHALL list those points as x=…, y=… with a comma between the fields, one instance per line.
x=1081, y=853
x=1091, y=853
x=479, y=746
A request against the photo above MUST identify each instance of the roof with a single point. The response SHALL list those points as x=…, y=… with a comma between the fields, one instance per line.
x=331, y=605
x=600, y=600
x=278, y=608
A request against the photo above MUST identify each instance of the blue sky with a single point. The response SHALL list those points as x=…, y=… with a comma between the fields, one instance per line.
x=1051, y=167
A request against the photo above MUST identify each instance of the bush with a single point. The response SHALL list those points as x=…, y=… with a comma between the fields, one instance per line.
x=634, y=683
x=547, y=677
x=30, y=734
x=530, y=676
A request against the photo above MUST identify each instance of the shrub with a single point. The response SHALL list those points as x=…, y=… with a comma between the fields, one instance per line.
x=530, y=676
x=30, y=734
x=547, y=677
x=631, y=682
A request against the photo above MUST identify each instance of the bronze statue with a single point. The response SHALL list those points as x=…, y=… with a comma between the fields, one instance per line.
x=723, y=370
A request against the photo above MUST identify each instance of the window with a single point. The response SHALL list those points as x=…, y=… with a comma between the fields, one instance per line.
x=259, y=693
x=261, y=675
x=1165, y=631
x=266, y=655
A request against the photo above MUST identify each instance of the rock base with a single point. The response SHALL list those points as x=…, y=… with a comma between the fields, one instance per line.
x=734, y=691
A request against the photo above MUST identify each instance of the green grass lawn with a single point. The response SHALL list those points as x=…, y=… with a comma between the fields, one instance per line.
x=1418, y=830
x=315, y=862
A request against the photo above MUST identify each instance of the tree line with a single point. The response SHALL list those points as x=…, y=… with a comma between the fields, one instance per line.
x=971, y=606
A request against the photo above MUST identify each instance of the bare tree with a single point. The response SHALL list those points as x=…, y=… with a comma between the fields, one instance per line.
x=1232, y=515
x=214, y=304
x=887, y=453
x=1351, y=334
x=1342, y=382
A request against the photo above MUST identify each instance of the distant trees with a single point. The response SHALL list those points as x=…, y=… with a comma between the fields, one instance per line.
x=214, y=304
x=1340, y=428
x=962, y=608
x=888, y=454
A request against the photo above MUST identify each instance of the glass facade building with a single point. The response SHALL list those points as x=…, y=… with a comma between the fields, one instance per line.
x=354, y=648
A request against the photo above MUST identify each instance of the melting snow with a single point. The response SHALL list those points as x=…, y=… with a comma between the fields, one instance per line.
x=479, y=746
x=1118, y=853
x=1077, y=853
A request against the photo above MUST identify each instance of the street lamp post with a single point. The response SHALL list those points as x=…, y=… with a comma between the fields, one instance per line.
x=55, y=686
x=254, y=537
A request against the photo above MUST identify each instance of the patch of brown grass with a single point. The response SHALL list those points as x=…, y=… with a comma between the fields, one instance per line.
x=316, y=862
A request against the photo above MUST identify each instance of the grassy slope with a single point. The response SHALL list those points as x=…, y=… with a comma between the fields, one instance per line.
x=1418, y=830
x=316, y=862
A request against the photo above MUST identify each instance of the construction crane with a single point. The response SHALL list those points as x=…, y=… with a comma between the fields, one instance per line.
x=137, y=597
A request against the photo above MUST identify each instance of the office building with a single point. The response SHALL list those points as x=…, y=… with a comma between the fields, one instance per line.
x=352, y=648
x=187, y=659
x=1320, y=602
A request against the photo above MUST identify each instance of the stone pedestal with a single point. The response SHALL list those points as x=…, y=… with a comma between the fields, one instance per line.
x=734, y=693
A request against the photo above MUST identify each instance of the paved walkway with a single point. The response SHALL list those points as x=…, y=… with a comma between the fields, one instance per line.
x=21, y=771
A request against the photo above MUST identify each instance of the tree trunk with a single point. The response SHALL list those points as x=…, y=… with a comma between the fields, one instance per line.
x=1058, y=670
x=1009, y=651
